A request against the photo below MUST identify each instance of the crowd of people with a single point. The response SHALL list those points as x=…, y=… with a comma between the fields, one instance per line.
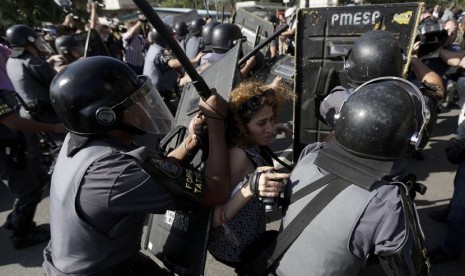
x=349, y=196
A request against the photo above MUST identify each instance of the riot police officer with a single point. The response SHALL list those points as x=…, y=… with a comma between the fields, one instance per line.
x=29, y=72
x=224, y=37
x=207, y=32
x=103, y=185
x=31, y=75
x=273, y=46
x=69, y=48
x=368, y=59
x=343, y=194
x=194, y=42
x=181, y=30
x=363, y=63
x=23, y=177
x=162, y=68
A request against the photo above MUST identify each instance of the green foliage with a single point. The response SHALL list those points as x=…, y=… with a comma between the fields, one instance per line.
x=180, y=3
x=28, y=12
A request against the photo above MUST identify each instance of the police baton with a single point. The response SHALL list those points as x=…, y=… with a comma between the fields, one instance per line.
x=261, y=45
x=257, y=36
x=198, y=82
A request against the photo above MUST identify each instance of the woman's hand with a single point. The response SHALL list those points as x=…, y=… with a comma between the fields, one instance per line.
x=282, y=128
x=198, y=125
x=215, y=106
x=271, y=183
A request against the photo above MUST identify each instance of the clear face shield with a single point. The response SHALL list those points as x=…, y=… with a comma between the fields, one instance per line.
x=147, y=111
x=422, y=113
x=43, y=46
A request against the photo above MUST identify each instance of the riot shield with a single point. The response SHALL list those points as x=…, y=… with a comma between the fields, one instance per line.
x=92, y=43
x=179, y=238
x=249, y=22
x=222, y=75
x=186, y=17
x=323, y=38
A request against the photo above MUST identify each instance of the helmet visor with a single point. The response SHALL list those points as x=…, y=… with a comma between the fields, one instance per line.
x=147, y=111
x=43, y=46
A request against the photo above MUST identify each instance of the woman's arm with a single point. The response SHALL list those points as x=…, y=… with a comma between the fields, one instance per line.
x=269, y=184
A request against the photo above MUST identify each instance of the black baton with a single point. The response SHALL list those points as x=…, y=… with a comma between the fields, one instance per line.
x=262, y=44
x=198, y=82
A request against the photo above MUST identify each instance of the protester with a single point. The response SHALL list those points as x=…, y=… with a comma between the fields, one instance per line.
x=239, y=225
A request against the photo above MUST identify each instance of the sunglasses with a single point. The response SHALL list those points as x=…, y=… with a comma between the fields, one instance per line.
x=255, y=102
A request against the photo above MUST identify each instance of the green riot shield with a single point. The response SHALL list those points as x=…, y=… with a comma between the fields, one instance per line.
x=179, y=238
x=323, y=38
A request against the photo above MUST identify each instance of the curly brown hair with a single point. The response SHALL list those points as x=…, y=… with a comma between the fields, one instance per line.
x=247, y=99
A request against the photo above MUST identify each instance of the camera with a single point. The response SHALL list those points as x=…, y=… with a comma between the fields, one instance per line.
x=97, y=3
x=431, y=36
x=270, y=203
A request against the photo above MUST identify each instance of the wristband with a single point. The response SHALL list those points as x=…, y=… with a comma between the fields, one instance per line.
x=253, y=182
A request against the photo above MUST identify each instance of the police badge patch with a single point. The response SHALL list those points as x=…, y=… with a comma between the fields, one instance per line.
x=172, y=170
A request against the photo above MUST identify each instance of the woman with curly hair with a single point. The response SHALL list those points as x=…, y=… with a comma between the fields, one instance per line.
x=239, y=225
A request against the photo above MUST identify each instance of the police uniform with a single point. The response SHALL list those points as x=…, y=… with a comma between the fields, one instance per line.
x=103, y=186
x=211, y=58
x=373, y=223
x=207, y=60
x=25, y=179
x=194, y=45
x=156, y=66
x=31, y=77
x=361, y=208
x=104, y=236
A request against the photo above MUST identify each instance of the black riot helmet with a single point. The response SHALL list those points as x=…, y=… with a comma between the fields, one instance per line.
x=65, y=44
x=19, y=36
x=96, y=94
x=224, y=37
x=155, y=37
x=381, y=118
x=195, y=26
x=375, y=54
x=181, y=29
x=207, y=32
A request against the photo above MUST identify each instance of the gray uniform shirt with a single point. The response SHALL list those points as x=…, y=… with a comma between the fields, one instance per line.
x=31, y=77
x=379, y=229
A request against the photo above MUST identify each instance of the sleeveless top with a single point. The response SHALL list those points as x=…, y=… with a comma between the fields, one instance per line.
x=247, y=225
